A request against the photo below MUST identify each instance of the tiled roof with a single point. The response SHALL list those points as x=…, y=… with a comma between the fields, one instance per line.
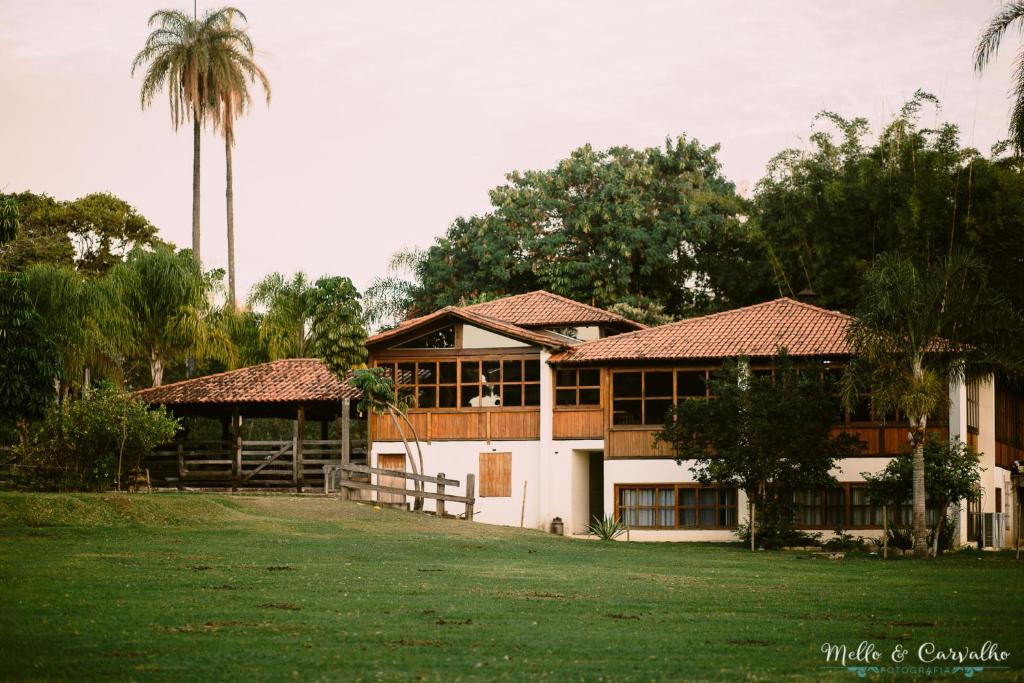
x=287, y=380
x=759, y=330
x=541, y=309
x=488, y=322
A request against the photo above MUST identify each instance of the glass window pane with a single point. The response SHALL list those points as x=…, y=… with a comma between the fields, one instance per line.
x=727, y=517
x=406, y=373
x=727, y=497
x=446, y=374
x=707, y=517
x=470, y=396
x=707, y=497
x=426, y=397
x=492, y=371
x=691, y=383
x=645, y=517
x=590, y=378
x=646, y=496
x=688, y=517
x=532, y=370
x=512, y=370
x=658, y=384
x=666, y=497
x=626, y=384
x=626, y=412
x=470, y=372
x=666, y=517
x=655, y=409
x=447, y=397
x=627, y=497
x=512, y=395
x=629, y=517
x=490, y=397
x=427, y=373
x=565, y=378
x=565, y=397
x=590, y=397
x=532, y=395
x=687, y=497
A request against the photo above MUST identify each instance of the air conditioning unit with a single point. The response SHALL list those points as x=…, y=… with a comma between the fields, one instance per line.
x=993, y=530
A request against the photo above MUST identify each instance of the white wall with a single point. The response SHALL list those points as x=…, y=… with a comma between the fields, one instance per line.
x=477, y=338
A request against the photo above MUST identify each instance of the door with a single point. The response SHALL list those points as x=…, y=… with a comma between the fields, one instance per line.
x=391, y=461
x=596, y=486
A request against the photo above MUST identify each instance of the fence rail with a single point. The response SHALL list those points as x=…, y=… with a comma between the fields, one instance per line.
x=347, y=477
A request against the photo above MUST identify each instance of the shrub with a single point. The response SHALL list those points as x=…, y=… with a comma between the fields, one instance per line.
x=82, y=445
x=772, y=536
x=607, y=529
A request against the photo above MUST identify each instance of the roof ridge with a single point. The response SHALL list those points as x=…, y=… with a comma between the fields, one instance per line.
x=557, y=297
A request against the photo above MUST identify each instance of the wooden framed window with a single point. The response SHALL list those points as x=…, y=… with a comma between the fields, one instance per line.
x=495, y=383
x=433, y=384
x=973, y=407
x=643, y=397
x=578, y=387
x=495, y=475
x=863, y=513
x=821, y=509
x=676, y=506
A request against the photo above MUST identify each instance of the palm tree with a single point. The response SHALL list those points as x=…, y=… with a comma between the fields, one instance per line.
x=160, y=300
x=987, y=49
x=389, y=298
x=178, y=55
x=915, y=331
x=232, y=70
x=284, y=325
x=379, y=397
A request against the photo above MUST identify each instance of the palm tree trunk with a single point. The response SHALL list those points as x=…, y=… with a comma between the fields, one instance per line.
x=405, y=441
x=418, y=502
x=920, y=520
x=195, y=185
x=229, y=196
x=156, y=368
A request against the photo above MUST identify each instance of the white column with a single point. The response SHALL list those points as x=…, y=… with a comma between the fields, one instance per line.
x=958, y=432
x=547, y=466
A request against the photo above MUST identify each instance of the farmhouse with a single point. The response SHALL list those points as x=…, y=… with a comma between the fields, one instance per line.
x=554, y=404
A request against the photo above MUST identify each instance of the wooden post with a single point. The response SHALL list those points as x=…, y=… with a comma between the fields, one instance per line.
x=300, y=431
x=885, y=533
x=522, y=508
x=346, y=446
x=440, y=492
x=236, y=467
x=470, y=494
x=181, y=466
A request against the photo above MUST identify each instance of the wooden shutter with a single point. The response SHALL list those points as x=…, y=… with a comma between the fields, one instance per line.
x=495, y=475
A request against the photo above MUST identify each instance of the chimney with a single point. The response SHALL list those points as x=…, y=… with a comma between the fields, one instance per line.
x=808, y=296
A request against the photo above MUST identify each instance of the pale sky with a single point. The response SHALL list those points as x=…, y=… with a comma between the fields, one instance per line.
x=390, y=119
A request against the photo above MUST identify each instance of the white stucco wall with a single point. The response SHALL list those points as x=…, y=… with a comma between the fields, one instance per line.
x=477, y=338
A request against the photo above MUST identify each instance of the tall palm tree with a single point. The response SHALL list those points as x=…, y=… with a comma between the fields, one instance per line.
x=916, y=330
x=178, y=55
x=285, y=323
x=987, y=49
x=232, y=70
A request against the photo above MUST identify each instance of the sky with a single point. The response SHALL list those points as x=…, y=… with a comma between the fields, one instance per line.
x=390, y=119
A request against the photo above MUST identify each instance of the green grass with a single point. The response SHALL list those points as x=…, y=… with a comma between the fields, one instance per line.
x=219, y=587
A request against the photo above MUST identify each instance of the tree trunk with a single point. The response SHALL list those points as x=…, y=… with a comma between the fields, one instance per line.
x=229, y=196
x=938, y=530
x=920, y=519
x=750, y=519
x=405, y=441
x=885, y=533
x=195, y=185
x=86, y=380
x=418, y=502
x=156, y=369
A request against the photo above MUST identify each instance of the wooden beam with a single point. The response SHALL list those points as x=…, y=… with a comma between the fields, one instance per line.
x=346, y=446
x=236, y=433
x=300, y=432
x=470, y=493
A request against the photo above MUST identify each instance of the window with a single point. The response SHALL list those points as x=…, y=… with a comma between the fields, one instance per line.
x=443, y=338
x=676, y=506
x=431, y=383
x=973, y=409
x=862, y=511
x=578, y=387
x=822, y=509
x=641, y=397
x=495, y=475
x=500, y=383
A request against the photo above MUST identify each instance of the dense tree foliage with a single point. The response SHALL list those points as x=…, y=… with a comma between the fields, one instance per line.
x=825, y=213
x=621, y=225
x=90, y=234
x=767, y=435
x=27, y=356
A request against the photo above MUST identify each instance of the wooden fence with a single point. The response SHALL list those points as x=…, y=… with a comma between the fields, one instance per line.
x=244, y=464
x=347, y=477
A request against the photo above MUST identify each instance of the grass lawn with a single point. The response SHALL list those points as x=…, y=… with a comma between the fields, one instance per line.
x=233, y=587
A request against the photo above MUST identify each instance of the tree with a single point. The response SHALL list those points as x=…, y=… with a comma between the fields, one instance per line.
x=821, y=215
x=379, y=397
x=986, y=51
x=951, y=475
x=89, y=234
x=769, y=436
x=10, y=220
x=659, y=224
x=389, y=299
x=232, y=69
x=160, y=299
x=28, y=362
x=75, y=314
x=915, y=331
x=299, y=319
x=179, y=55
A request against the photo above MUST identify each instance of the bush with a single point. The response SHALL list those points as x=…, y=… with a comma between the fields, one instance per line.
x=607, y=529
x=775, y=536
x=81, y=445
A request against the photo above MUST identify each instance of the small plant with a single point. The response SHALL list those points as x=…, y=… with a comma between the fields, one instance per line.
x=844, y=541
x=607, y=529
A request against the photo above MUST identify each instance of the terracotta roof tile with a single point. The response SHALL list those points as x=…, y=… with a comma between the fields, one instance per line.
x=759, y=330
x=541, y=308
x=287, y=380
x=488, y=322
